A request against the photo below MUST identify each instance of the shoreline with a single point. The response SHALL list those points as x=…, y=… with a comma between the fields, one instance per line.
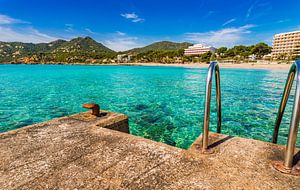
x=187, y=65
x=222, y=65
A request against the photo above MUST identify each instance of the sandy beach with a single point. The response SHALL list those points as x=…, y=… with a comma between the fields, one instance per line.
x=187, y=65
x=222, y=65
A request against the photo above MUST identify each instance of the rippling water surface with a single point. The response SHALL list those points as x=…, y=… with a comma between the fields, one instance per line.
x=164, y=104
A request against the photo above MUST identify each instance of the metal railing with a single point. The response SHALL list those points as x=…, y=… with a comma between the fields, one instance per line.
x=294, y=124
x=213, y=69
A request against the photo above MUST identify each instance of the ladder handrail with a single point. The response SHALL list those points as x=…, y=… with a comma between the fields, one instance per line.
x=294, y=124
x=213, y=68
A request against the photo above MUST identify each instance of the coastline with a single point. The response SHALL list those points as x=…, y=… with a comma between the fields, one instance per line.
x=187, y=65
x=223, y=65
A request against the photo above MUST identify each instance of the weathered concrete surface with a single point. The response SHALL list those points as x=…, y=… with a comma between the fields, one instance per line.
x=75, y=153
x=247, y=163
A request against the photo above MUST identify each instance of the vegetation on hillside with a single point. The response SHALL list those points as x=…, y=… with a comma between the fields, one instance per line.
x=78, y=49
x=80, y=44
x=161, y=46
x=236, y=53
x=87, y=50
x=69, y=57
x=241, y=52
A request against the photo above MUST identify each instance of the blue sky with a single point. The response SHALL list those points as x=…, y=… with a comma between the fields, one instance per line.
x=125, y=24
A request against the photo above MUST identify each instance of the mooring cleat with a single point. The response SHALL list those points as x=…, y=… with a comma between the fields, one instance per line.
x=95, y=108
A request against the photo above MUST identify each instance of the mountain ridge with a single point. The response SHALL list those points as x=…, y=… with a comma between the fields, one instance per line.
x=13, y=51
x=161, y=45
x=83, y=44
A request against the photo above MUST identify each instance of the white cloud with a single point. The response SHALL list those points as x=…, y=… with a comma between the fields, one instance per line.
x=90, y=31
x=229, y=21
x=129, y=15
x=69, y=27
x=208, y=14
x=9, y=34
x=120, y=42
x=138, y=20
x=223, y=37
x=133, y=17
x=249, y=10
x=259, y=8
x=121, y=33
x=283, y=21
x=4, y=19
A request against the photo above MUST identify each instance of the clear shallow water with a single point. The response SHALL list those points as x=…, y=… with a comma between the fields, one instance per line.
x=163, y=103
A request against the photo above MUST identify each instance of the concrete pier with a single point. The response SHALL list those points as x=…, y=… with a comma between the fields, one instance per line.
x=88, y=152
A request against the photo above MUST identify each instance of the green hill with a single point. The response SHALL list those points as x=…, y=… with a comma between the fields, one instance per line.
x=80, y=44
x=164, y=45
x=11, y=51
x=15, y=48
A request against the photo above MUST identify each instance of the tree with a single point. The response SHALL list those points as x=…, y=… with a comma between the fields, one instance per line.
x=229, y=53
x=296, y=52
x=205, y=57
x=261, y=49
x=241, y=51
x=221, y=50
x=213, y=57
x=297, y=57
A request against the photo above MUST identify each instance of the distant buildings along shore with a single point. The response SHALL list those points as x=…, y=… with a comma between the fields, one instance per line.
x=285, y=45
x=199, y=49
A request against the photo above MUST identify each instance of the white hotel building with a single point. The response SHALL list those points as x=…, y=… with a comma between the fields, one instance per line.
x=199, y=49
x=286, y=44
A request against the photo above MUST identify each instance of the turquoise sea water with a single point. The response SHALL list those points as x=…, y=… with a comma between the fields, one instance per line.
x=164, y=104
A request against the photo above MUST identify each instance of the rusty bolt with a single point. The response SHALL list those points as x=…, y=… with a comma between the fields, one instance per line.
x=95, y=108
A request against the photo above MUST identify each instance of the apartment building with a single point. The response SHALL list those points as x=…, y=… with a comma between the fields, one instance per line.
x=286, y=44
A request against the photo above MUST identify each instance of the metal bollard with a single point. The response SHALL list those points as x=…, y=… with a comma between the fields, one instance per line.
x=95, y=108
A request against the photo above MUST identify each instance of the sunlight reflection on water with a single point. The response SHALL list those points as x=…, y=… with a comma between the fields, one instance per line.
x=163, y=103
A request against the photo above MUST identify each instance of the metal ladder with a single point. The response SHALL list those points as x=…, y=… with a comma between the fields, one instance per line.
x=287, y=165
x=213, y=69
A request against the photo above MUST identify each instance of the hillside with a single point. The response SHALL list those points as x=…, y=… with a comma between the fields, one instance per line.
x=164, y=45
x=11, y=51
x=80, y=44
x=87, y=50
x=81, y=49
